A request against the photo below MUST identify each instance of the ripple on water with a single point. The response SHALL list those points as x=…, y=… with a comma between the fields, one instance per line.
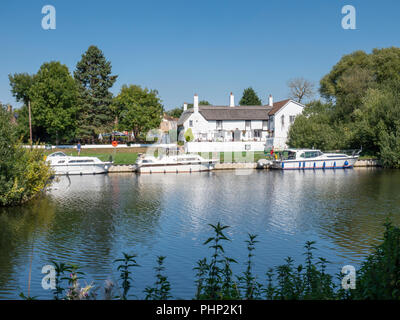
x=91, y=220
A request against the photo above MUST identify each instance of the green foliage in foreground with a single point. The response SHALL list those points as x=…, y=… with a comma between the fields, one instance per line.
x=378, y=277
x=23, y=172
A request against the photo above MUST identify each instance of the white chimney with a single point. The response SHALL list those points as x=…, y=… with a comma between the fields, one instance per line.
x=232, y=100
x=196, y=103
x=271, y=101
x=185, y=106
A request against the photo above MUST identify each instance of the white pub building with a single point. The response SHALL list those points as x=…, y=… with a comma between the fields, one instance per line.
x=238, y=128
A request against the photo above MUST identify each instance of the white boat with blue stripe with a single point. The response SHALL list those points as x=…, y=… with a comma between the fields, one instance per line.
x=306, y=159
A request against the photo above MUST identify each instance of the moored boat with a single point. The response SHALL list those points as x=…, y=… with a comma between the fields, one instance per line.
x=173, y=163
x=70, y=165
x=302, y=159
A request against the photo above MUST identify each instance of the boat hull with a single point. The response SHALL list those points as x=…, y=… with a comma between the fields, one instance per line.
x=314, y=164
x=81, y=169
x=174, y=168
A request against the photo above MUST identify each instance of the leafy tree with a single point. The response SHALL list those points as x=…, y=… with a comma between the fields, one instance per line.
x=176, y=112
x=93, y=74
x=249, y=98
x=313, y=128
x=20, y=84
x=54, y=97
x=139, y=109
x=23, y=172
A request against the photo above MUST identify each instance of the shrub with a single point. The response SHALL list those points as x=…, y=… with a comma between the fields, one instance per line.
x=189, y=135
x=24, y=172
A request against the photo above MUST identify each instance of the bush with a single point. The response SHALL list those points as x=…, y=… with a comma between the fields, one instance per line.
x=189, y=135
x=24, y=173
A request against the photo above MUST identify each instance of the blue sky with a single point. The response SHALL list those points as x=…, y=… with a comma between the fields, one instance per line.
x=186, y=47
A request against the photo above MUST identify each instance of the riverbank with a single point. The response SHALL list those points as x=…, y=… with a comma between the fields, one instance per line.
x=364, y=163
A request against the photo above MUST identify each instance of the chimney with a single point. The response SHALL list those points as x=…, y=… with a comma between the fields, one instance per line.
x=271, y=101
x=196, y=103
x=231, y=100
x=185, y=106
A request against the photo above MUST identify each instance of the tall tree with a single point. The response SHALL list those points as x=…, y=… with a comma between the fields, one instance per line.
x=249, y=98
x=300, y=88
x=93, y=74
x=54, y=97
x=140, y=110
x=20, y=84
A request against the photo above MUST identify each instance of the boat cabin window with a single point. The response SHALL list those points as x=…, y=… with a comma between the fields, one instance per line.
x=311, y=154
x=291, y=155
x=81, y=161
x=57, y=154
x=62, y=161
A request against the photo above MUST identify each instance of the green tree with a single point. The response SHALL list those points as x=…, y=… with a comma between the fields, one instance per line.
x=139, y=110
x=249, y=98
x=20, y=84
x=93, y=74
x=23, y=172
x=176, y=112
x=54, y=97
x=314, y=129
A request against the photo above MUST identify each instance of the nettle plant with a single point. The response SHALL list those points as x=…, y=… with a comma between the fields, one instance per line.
x=377, y=278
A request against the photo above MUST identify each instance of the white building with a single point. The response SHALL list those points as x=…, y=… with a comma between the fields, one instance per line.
x=266, y=124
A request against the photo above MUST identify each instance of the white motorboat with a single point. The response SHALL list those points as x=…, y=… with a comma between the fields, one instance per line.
x=173, y=163
x=70, y=165
x=301, y=159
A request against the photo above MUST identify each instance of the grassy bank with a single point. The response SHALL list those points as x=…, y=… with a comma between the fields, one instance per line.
x=128, y=156
x=120, y=156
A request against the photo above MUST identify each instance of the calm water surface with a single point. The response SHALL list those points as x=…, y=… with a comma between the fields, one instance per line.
x=91, y=220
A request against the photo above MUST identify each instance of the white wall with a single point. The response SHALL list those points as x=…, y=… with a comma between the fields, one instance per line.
x=291, y=109
x=236, y=146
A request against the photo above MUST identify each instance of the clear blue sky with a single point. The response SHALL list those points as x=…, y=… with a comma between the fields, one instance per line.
x=186, y=47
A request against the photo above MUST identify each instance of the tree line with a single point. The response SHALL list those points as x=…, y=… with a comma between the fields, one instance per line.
x=69, y=107
x=359, y=107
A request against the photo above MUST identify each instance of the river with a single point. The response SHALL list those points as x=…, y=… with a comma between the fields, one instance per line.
x=91, y=220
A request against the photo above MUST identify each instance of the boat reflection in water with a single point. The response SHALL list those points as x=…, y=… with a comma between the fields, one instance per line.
x=91, y=220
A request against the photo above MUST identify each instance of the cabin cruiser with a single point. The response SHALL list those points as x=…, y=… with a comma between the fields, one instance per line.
x=173, y=163
x=69, y=165
x=300, y=159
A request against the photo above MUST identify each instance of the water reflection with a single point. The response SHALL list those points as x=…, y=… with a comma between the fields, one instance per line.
x=90, y=220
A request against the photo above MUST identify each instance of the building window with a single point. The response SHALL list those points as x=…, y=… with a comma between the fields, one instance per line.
x=292, y=119
x=283, y=120
x=265, y=125
x=190, y=123
x=219, y=124
x=257, y=133
x=248, y=124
